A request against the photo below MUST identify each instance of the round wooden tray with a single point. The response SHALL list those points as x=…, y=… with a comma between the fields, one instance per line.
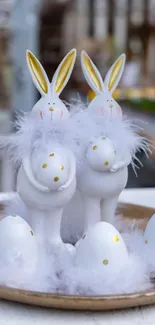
x=106, y=302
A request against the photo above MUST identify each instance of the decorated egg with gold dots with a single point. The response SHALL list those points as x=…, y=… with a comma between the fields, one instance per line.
x=101, y=154
x=149, y=233
x=18, y=245
x=102, y=246
x=51, y=168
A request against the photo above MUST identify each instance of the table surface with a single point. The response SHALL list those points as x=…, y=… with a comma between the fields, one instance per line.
x=14, y=313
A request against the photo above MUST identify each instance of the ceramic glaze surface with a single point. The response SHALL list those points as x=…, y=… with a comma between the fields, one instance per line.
x=101, y=154
x=18, y=243
x=102, y=184
x=51, y=168
x=102, y=246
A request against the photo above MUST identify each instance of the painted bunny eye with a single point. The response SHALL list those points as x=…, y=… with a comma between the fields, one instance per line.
x=48, y=103
x=53, y=103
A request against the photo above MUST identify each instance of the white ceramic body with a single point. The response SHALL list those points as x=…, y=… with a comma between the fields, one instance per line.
x=100, y=192
x=102, y=185
x=46, y=207
x=42, y=200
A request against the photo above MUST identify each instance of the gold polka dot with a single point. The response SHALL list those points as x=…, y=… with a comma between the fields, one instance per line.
x=32, y=233
x=51, y=154
x=95, y=147
x=146, y=241
x=116, y=238
x=61, y=167
x=106, y=163
x=83, y=237
x=105, y=262
x=44, y=166
x=13, y=215
x=51, y=109
x=56, y=179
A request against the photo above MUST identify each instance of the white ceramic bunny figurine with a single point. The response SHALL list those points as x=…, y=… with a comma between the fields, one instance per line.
x=106, y=175
x=50, y=105
x=46, y=183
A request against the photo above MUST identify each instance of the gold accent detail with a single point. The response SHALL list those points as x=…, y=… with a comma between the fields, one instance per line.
x=44, y=166
x=91, y=71
x=13, y=215
x=146, y=241
x=51, y=154
x=83, y=237
x=36, y=68
x=62, y=167
x=32, y=233
x=116, y=238
x=56, y=179
x=51, y=109
x=115, y=72
x=105, y=262
x=95, y=147
x=106, y=163
x=64, y=71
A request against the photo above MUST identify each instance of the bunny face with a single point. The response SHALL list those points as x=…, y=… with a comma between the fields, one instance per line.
x=50, y=104
x=49, y=107
x=103, y=104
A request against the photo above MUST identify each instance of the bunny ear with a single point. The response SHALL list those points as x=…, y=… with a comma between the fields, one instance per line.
x=114, y=74
x=38, y=73
x=91, y=73
x=63, y=72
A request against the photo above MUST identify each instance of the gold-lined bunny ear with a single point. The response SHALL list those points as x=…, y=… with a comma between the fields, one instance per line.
x=38, y=73
x=63, y=72
x=114, y=74
x=91, y=73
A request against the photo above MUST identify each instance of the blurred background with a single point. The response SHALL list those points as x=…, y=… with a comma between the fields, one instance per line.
x=105, y=29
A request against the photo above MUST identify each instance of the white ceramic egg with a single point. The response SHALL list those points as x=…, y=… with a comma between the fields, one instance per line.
x=18, y=244
x=101, y=154
x=51, y=169
x=101, y=247
x=149, y=233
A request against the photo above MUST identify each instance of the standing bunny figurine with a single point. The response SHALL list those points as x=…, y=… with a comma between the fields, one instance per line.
x=50, y=105
x=46, y=183
x=46, y=179
x=106, y=173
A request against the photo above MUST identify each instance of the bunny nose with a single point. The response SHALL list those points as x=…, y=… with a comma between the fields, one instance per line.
x=111, y=105
x=51, y=109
